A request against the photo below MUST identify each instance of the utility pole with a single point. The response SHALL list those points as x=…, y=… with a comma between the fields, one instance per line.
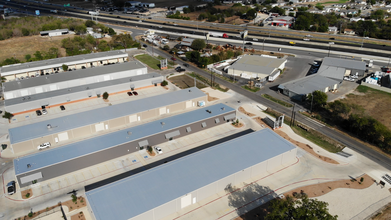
x=293, y=111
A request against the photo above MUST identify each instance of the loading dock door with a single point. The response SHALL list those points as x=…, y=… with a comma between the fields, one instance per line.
x=185, y=201
x=172, y=134
x=30, y=178
x=143, y=143
x=229, y=117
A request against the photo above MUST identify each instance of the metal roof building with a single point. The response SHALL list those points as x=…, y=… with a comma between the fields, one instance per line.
x=252, y=66
x=42, y=84
x=63, y=96
x=56, y=32
x=47, y=66
x=93, y=122
x=337, y=68
x=59, y=161
x=299, y=88
x=168, y=188
x=329, y=77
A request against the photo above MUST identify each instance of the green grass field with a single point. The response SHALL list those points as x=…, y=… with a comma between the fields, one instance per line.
x=150, y=61
x=335, y=2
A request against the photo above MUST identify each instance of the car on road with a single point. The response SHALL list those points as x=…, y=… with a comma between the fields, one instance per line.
x=11, y=188
x=249, y=43
x=186, y=65
x=43, y=146
x=160, y=27
x=180, y=70
x=130, y=93
x=306, y=39
x=44, y=111
x=135, y=93
x=255, y=39
x=158, y=150
x=39, y=113
x=144, y=45
x=332, y=38
x=62, y=108
x=292, y=43
x=308, y=35
x=173, y=58
x=331, y=42
x=175, y=24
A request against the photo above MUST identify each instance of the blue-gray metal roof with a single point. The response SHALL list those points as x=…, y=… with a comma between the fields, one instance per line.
x=39, y=129
x=78, y=149
x=162, y=184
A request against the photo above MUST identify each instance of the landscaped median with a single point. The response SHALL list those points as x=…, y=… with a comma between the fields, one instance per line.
x=251, y=89
x=310, y=134
x=283, y=103
x=150, y=61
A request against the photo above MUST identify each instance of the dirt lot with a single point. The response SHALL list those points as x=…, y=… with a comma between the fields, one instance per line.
x=20, y=46
x=185, y=81
x=384, y=214
x=375, y=104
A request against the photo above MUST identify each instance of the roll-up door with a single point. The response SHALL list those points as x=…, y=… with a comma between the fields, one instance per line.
x=229, y=117
x=172, y=134
x=31, y=178
x=203, y=124
x=188, y=129
x=217, y=120
x=143, y=143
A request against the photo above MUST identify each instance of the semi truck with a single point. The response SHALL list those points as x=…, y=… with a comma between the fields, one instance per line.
x=218, y=34
x=93, y=12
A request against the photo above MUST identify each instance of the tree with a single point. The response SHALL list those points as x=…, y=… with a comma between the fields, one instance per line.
x=164, y=83
x=300, y=208
x=251, y=14
x=166, y=47
x=89, y=23
x=319, y=6
x=38, y=55
x=64, y=67
x=198, y=44
x=27, y=57
x=319, y=100
x=8, y=115
x=25, y=32
x=105, y=95
x=81, y=29
x=112, y=32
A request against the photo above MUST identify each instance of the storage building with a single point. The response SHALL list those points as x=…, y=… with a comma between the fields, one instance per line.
x=30, y=94
x=97, y=121
x=59, y=161
x=32, y=69
x=168, y=188
x=52, y=33
x=256, y=67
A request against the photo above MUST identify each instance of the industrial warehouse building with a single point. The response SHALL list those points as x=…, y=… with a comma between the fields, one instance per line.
x=62, y=96
x=68, y=80
x=52, y=33
x=61, y=88
x=76, y=156
x=94, y=122
x=329, y=77
x=32, y=69
x=168, y=188
x=256, y=67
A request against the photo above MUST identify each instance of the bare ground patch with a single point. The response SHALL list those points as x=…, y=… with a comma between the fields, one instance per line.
x=306, y=147
x=184, y=81
x=242, y=110
x=18, y=47
x=28, y=193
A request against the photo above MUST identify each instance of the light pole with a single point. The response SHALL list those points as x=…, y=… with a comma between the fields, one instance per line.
x=263, y=45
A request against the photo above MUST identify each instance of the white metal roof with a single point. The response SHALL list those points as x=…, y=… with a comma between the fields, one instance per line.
x=147, y=190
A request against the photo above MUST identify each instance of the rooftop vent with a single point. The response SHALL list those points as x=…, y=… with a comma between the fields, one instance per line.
x=129, y=133
x=209, y=111
x=222, y=109
x=189, y=90
x=28, y=165
x=49, y=126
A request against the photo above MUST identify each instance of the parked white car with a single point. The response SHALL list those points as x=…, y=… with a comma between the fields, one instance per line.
x=44, y=145
x=331, y=42
x=306, y=39
x=158, y=150
x=44, y=111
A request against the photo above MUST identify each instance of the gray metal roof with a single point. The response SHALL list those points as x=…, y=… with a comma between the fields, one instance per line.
x=332, y=72
x=257, y=64
x=344, y=63
x=54, y=31
x=39, y=129
x=71, y=75
x=179, y=177
x=187, y=41
x=78, y=149
x=58, y=62
x=308, y=84
x=91, y=87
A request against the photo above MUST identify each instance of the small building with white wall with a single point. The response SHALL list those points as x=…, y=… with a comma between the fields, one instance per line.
x=252, y=66
x=45, y=67
x=52, y=33
x=163, y=190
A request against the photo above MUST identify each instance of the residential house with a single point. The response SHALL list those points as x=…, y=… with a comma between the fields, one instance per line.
x=349, y=32
x=361, y=2
x=333, y=30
